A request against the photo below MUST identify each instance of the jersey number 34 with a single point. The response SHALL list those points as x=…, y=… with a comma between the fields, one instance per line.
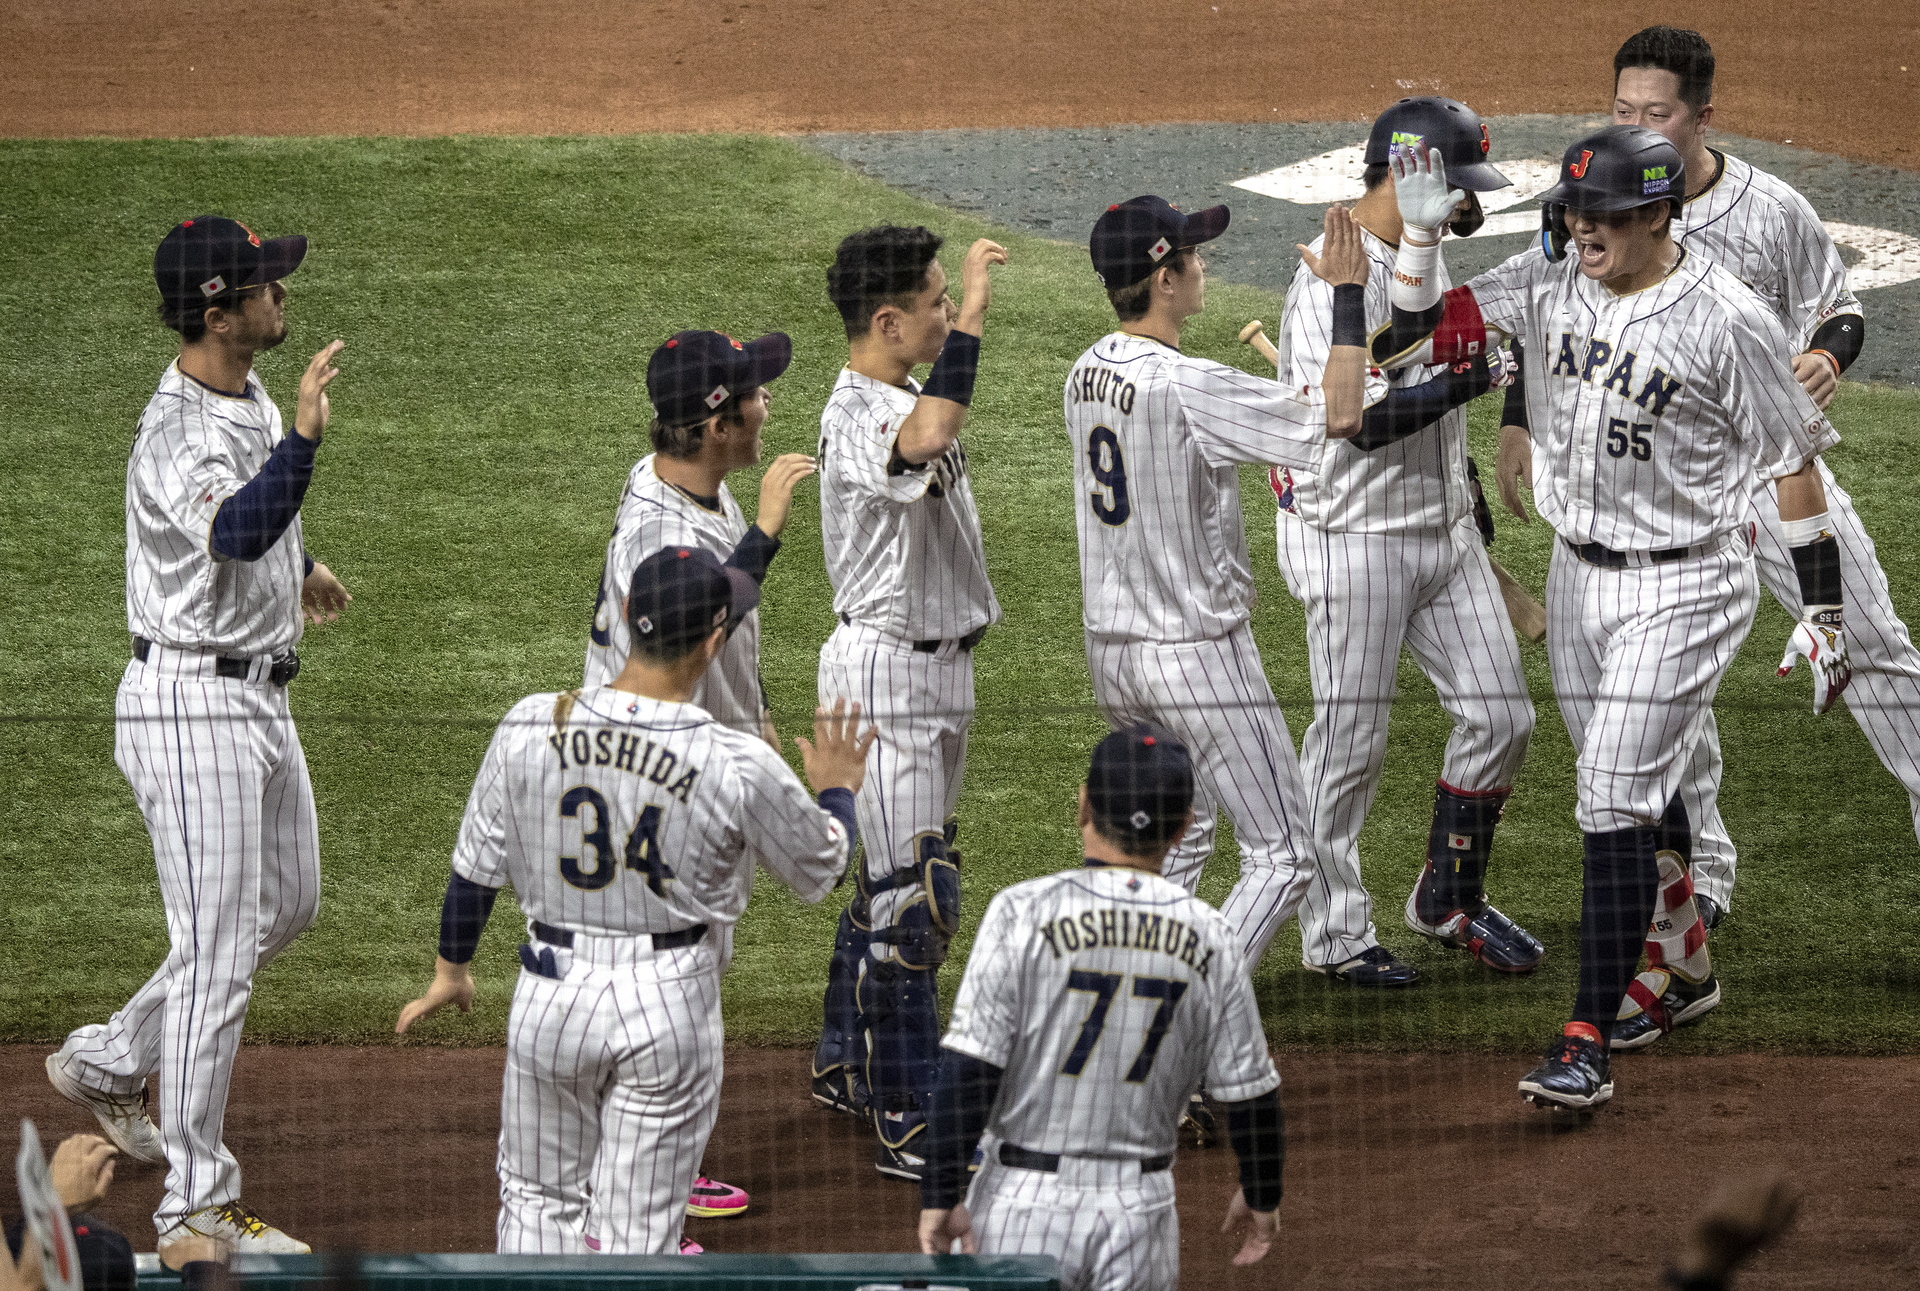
x=1104, y=987
x=642, y=850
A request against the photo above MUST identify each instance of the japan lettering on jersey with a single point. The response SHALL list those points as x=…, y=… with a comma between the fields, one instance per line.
x=1107, y=995
x=902, y=542
x=654, y=514
x=613, y=814
x=1157, y=438
x=1419, y=482
x=1659, y=404
x=195, y=448
x=1755, y=226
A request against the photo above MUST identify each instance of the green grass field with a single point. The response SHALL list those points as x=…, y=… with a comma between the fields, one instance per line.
x=499, y=299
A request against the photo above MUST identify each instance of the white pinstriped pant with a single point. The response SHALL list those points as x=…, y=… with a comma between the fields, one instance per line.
x=922, y=704
x=1111, y=1227
x=1214, y=696
x=1365, y=595
x=1884, y=696
x=218, y=772
x=612, y=1086
x=1637, y=655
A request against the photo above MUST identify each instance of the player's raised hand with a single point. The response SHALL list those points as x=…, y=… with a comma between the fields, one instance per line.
x=836, y=757
x=452, y=984
x=310, y=418
x=1262, y=1228
x=82, y=1167
x=323, y=595
x=975, y=289
x=776, y=491
x=1820, y=639
x=940, y=1229
x=1513, y=468
x=1421, y=190
x=1343, y=259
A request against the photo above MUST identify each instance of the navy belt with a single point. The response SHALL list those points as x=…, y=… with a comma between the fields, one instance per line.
x=1049, y=1162
x=563, y=937
x=283, y=671
x=932, y=644
x=1607, y=558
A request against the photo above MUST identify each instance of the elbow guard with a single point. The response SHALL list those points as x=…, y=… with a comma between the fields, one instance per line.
x=1454, y=328
x=1840, y=339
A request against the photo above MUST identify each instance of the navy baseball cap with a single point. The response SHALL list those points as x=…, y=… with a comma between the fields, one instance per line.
x=695, y=372
x=1135, y=237
x=210, y=256
x=1140, y=784
x=679, y=595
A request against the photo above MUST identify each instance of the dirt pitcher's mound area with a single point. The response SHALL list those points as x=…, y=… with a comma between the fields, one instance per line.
x=1406, y=1172
x=1843, y=77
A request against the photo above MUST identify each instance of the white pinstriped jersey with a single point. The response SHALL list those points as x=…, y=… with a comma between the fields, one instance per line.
x=1157, y=437
x=1755, y=226
x=654, y=514
x=195, y=449
x=1107, y=995
x=1419, y=482
x=1659, y=405
x=639, y=816
x=902, y=542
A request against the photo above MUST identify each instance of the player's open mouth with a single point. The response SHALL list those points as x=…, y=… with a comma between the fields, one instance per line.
x=1591, y=253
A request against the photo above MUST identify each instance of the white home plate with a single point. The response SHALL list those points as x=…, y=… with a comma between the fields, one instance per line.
x=1887, y=258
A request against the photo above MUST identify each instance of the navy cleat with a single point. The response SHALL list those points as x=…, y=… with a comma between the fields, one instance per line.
x=1647, y=1014
x=833, y=1090
x=1374, y=966
x=1573, y=1076
x=1486, y=934
x=898, y=1162
x=1710, y=912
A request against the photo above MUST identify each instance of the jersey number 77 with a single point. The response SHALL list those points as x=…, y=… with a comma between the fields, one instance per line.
x=1104, y=986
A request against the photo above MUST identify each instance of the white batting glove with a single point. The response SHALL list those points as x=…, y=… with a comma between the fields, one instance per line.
x=1502, y=367
x=1420, y=188
x=1822, y=641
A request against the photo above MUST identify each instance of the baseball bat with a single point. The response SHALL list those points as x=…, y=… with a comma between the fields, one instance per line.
x=1252, y=335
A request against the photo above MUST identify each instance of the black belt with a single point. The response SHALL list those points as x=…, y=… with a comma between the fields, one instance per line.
x=661, y=940
x=932, y=644
x=284, y=669
x=1021, y=1159
x=1607, y=558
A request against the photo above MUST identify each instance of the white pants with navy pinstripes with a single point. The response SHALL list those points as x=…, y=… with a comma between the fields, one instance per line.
x=611, y=1090
x=1637, y=655
x=218, y=772
x=1365, y=596
x=1214, y=695
x=922, y=703
x=1884, y=696
x=1111, y=1227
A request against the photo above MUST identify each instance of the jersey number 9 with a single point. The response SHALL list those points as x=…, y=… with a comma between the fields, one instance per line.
x=1110, y=473
x=642, y=850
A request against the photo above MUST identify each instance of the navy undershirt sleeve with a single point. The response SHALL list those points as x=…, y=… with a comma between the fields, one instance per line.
x=252, y=520
x=962, y=1102
x=463, y=915
x=840, y=803
x=1408, y=409
x=1515, y=411
x=1258, y=1131
x=754, y=553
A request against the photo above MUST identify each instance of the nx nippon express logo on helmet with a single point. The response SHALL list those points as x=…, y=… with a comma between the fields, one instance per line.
x=1653, y=179
x=1579, y=168
x=1407, y=139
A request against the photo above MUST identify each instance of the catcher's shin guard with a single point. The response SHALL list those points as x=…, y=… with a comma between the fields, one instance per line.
x=900, y=1022
x=841, y=1047
x=1459, y=843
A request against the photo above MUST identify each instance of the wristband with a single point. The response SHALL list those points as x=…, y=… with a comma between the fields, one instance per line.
x=953, y=371
x=1416, y=281
x=1798, y=533
x=1829, y=358
x=1350, y=313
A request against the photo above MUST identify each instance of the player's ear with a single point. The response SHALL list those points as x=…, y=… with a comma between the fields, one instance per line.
x=886, y=321
x=1086, y=808
x=715, y=644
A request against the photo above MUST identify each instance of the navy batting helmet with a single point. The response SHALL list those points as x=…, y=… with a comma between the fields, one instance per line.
x=1615, y=169
x=1447, y=124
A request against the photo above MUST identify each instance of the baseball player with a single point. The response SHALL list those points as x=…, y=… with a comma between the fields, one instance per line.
x=903, y=551
x=710, y=401
x=1768, y=236
x=1157, y=438
x=217, y=579
x=629, y=822
x=1379, y=544
x=1094, y=1003
x=1660, y=384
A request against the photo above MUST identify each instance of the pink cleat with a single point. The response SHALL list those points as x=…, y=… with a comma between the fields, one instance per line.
x=711, y=1199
